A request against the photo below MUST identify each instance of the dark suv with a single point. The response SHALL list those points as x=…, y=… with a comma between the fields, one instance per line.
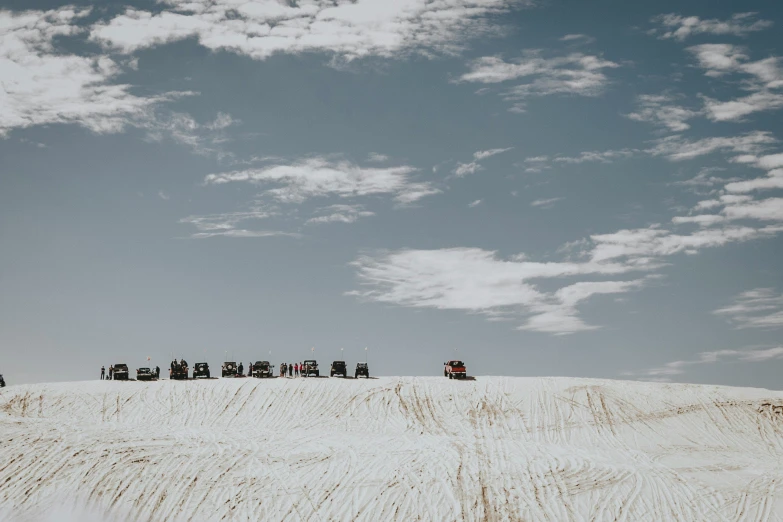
x=229, y=369
x=120, y=372
x=179, y=370
x=261, y=369
x=310, y=368
x=338, y=368
x=361, y=369
x=144, y=374
x=201, y=370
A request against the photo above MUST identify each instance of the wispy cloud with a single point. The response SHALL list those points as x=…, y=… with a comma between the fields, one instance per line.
x=662, y=110
x=242, y=233
x=475, y=203
x=202, y=138
x=349, y=29
x=758, y=308
x=573, y=74
x=463, y=169
x=545, y=203
x=321, y=176
x=667, y=371
x=162, y=195
x=476, y=280
x=339, y=214
x=375, y=157
x=674, y=26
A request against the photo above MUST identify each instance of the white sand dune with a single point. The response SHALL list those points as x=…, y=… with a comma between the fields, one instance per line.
x=394, y=448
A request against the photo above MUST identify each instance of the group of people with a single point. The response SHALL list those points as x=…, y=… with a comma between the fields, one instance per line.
x=292, y=370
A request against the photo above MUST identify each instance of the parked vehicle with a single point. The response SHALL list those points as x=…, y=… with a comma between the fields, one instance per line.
x=363, y=370
x=120, y=372
x=261, y=369
x=201, y=370
x=179, y=370
x=338, y=368
x=229, y=369
x=454, y=370
x=144, y=374
x=309, y=368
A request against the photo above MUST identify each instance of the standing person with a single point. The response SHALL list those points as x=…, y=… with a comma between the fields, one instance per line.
x=250, y=369
x=111, y=372
x=290, y=370
x=157, y=372
x=103, y=372
x=241, y=370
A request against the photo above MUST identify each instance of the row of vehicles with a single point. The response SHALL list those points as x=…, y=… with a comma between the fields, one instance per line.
x=260, y=369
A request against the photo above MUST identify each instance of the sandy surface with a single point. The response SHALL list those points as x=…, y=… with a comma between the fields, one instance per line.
x=394, y=448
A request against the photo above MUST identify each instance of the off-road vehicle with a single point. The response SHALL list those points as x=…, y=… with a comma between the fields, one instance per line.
x=229, y=369
x=309, y=368
x=201, y=370
x=338, y=368
x=144, y=374
x=361, y=369
x=120, y=372
x=261, y=369
x=179, y=370
x=454, y=370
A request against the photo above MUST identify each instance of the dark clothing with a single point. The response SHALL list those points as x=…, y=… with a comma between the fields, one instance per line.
x=290, y=370
x=111, y=372
x=103, y=373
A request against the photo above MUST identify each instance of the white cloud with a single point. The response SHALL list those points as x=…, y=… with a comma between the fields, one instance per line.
x=765, y=80
x=225, y=224
x=677, y=148
x=463, y=169
x=758, y=308
x=241, y=233
x=348, y=29
x=481, y=154
x=606, y=156
x=475, y=203
x=662, y=110
x=320, y=176
x=475, y=280
x=162, y=195
x=576, y=74
x=583, y=38
x=339, y=214
x=202, y=138
x=774, y=180
x=44, y=84
x=736, y=110
x=375, y=157
x=681, y=27
x=667, y=371
x=545, y=203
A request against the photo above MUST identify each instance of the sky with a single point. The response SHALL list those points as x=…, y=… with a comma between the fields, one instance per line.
x=535, y=187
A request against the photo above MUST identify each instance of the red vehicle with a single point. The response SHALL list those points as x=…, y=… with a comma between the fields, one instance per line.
x=454, y=370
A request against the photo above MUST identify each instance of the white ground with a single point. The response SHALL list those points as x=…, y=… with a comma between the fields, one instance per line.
x=395, y=448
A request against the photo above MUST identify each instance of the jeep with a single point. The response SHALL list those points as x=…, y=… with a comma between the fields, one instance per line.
x=454, y=370
x=120, y=372
x=201, y=370
x=361, y=369
x=144, y=374
x=229, y=369
x=309, y=368
x=178, y=370
x=338, y=368
x=261, y=369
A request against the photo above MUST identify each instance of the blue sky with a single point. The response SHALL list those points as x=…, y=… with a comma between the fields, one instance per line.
x=538, y=188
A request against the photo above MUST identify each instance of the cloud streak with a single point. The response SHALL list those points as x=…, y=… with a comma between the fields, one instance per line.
x=348, y=29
